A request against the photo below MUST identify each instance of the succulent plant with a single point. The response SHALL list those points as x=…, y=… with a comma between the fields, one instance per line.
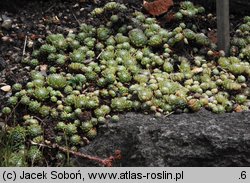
x=103, y=33
x=17, y=136
x=133, y=65
x=17, y=87
x=194, y=104
x=91, y=134
x=71, y=129
x=6, y=110
x=44, y=111
x=34, y=130
x=115, y=118
x=58, y=41
x=25, y=100
x=38, y=139
x=114, y=18
x=61, y=126
x=97, y=11
x=56, y=81
x=155, y=40
x=34, y=106
x=78, y=56
x=240, y=98
x=12, y=101
x=41, y=93
x=17, y=160
x=137, y=37
x=76, y=140
x=202, y=39
x=47, y=49
x=31, y=121
x=102, y=111
x=124, y=76
x=34, y=154
x=145, y=94
x=121, y=104
x=86, y=126
x=76, y=67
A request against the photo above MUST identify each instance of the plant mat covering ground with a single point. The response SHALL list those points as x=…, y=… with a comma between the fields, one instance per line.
x=34, y=22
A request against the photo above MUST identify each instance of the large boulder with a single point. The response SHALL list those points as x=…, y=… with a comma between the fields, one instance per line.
x=199, y=139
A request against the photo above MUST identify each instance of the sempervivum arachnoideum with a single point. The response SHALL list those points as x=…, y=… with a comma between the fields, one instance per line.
x=91, y=134
x=58, y=41
x=189, y=34
x=71, y=129
x=78, y=56
x=47, y=49
x=145, y=94
x=16, y=87
x=44, y=111
x=194, y=104
x=76, y=140
x=103, y=33
x=86, y=126
x=17, y=160
x=12, y=101
x=76, y=67
x=137, y=37
x=155, y=40
x=41, y=93
x=245, y=53
x=56, y=81
x=34, y=154
x=121, y=104
x=17, y=136
x=102, y=111
x=34, y=106
x=124, y=76
x=6, y=110
x=202, y=39
x=34, y=130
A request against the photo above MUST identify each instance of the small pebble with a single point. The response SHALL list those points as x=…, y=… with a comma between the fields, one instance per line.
x=30, y=44
x=2, y=125
x=6, y=88
x=7, y=24
x=76, y=5
x=7, y=39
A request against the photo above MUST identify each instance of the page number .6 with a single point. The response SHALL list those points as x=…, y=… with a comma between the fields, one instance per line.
x=243, y=175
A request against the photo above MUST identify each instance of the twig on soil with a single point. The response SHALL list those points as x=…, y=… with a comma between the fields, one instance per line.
x=99, y=54
x=39, y=119
x=108, y=162
x=87, y=61
x=168, y=114
x=13, y=111
x=76, y=19
x=24, y=46
x=50, y=7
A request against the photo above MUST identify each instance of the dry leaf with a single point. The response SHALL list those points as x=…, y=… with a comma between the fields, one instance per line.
x=43, y=67
x=197, y=70
x=6, y=88
x=158, y=7
x=238, y=108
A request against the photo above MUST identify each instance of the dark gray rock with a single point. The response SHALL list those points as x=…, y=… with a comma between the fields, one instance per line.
x=199, y=139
